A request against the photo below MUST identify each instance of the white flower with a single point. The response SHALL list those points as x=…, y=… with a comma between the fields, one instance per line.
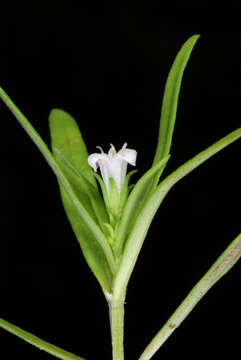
x=114, y=164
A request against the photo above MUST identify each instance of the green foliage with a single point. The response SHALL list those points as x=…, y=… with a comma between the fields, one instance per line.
x=135, y=203
x=111, y=227
x=148, y=211
x=170, y=99
x=71, y=154
x=84, y=222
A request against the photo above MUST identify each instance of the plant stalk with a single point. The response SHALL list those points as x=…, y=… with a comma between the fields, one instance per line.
x=116, y=313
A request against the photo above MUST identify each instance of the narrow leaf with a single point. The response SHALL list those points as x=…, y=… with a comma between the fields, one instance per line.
x=39, y=343
x=92, y=227
x=136, y=201
x=170, y=99
x=139, y=231
x=222, y=265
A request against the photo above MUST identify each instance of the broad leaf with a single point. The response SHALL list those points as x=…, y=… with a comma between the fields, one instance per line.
x=170, y=101
x=39, y=343
x=90, y=247
x=67, y=139
x=71, y=154
x=139, y=231
x=91, y=227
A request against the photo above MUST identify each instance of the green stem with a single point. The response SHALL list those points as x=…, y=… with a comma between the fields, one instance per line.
x=39, y=343
x=221, y=266
x=116, y=312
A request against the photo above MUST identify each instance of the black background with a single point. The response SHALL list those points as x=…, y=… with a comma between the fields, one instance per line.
x=107, y=66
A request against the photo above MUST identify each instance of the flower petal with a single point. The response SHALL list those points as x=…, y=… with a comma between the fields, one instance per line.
x=94, y=159
x=117, y=171
x=113, y=164
x=105, y=169
x=129, y=155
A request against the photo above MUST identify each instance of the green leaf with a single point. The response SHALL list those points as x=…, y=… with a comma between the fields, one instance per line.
x=90, y=225
x=39, y=343
x=142, y=224
x=89, y=246
x=83, y=189
x=66, y=142
x=92, y=251
x=221, y=266
x=135, y=203
x=126, y=188
x=170, y=101
x=67, y=139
